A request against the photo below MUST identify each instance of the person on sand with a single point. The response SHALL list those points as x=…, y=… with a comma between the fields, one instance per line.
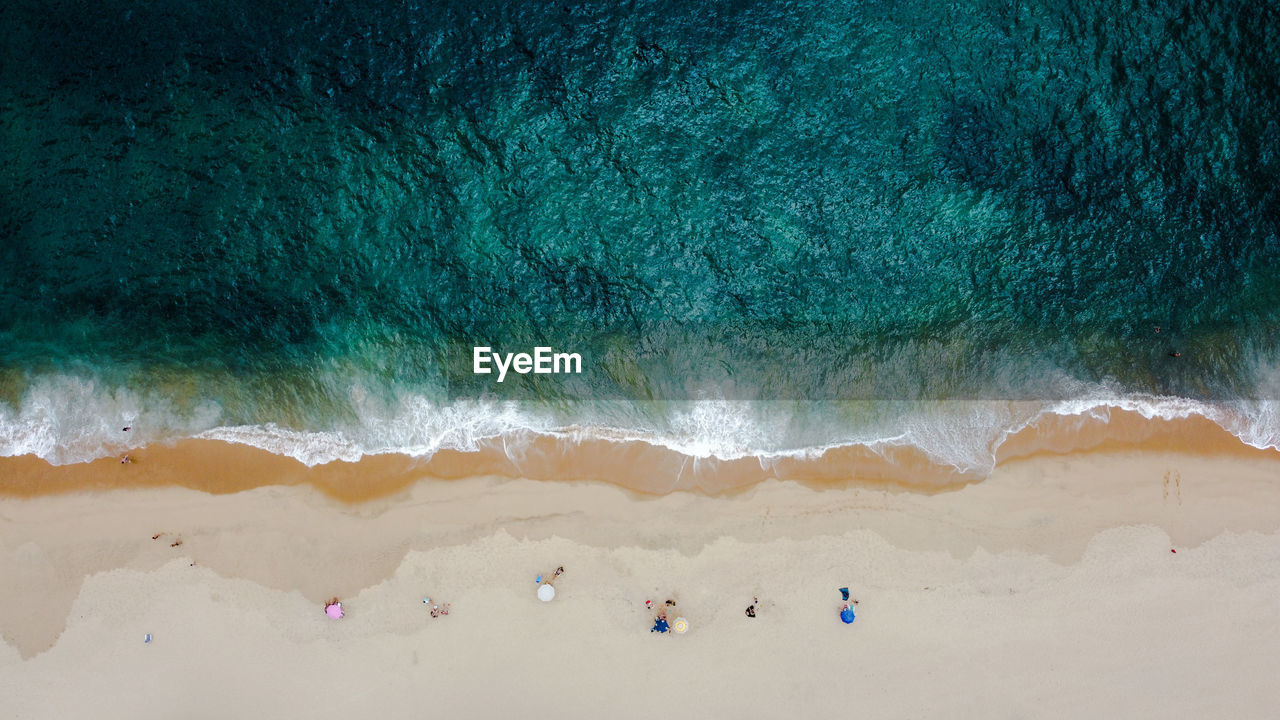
x=333, y=609
x=846, y=611
x=125, y=459
x=660, y=624
x=751, y=609
x=559, y=571
x=648, y=605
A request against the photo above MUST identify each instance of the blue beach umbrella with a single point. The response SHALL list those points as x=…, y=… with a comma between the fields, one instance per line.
x=846, y=615
x=659, y=626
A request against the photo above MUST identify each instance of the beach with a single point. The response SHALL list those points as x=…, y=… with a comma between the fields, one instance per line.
x=971, y=308
x=1130, y=583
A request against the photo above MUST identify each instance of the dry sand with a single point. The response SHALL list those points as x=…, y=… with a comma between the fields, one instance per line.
x=1046, y=590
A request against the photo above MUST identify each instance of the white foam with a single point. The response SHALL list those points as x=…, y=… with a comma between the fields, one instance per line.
x=310, y=447
x=962, y=434
x=409, y=425
x=67, y=419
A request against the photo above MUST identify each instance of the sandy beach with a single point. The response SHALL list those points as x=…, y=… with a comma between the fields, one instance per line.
x=972, y=309
x=1128, y=583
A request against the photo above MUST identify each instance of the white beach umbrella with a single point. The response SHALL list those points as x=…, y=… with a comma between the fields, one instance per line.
x=681, y=626
x=546, y=592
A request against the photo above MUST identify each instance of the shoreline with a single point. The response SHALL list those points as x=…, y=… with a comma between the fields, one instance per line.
x=220, y=467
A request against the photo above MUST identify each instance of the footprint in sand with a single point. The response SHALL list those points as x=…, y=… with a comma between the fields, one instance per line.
x=1174, y=477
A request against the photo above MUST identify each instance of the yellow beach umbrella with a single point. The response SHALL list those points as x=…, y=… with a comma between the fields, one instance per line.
x=681, y=625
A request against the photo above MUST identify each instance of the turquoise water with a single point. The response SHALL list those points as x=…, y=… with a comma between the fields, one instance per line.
x=296, y=219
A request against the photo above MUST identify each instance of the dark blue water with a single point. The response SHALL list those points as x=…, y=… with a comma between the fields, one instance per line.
x=303, y=216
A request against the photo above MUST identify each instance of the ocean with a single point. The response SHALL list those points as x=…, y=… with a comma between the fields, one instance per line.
x=770, y=229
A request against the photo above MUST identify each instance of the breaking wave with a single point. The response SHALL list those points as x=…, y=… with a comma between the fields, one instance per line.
x=66, y=419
